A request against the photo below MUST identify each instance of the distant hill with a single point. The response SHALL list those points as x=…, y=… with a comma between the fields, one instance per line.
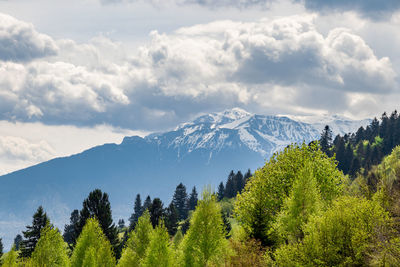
x=197, y=153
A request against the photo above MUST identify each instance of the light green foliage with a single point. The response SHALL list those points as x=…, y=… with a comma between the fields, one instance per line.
x=92, y=247
x=137, y=243
x=50, y=250
x=10, y=259
x=159, y=252
x=344, y=235
x=205, y=242
x=265, y=193
x=178, y=238
x=304, y=201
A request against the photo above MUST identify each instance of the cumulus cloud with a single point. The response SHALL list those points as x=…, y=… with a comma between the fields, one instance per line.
x=280, y=65
x=19, y=41
x=375, y=9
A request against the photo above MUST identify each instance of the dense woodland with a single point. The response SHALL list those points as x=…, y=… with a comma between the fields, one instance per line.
x=327, y=203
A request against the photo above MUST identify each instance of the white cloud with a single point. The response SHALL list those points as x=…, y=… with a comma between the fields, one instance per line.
x=284, y=64
x=19, y=41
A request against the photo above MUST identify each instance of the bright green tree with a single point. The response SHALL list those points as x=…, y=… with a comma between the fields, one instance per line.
x=303, y=201
x=92, y=247
x=265, y=193
x=10, y=259
x=159, y=252
x=344, y=235
x=50, y=250
x=137, y=243
x=205, y=242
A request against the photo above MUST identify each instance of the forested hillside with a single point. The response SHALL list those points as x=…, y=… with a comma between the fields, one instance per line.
x=304, y=207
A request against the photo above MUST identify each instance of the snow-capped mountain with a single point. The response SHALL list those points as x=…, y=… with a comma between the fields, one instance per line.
x=199, y=152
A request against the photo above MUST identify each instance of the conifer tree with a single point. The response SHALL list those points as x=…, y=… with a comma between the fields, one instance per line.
x=32, y=234
x=70, y=230
x=98, y=206
x=326, y=140
x=171, y=219
x=1, y=249
x=121, y=224
x=221, y=191
x=137, y=212
x=238, y=182
x=159, y=252
x=204, y=243
x=180, y=201
x=146, y=203
x=230, y=187
x=156, y=211
x=247, y=177
x=50, y=250
x=92, y=247
x=193, y=199
x=17, y=241
x=137, y=243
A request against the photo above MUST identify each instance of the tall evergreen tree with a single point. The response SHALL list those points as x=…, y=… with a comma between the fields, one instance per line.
x=156, y=211
x=230, y=187
x=193, y=199
x=247, y=176
x=221, y=191
x=32, y=233
x=1, y=249
x=239, y=183
x=146, y=204
x=121, y=224
x=137, y=212
x=180, y=201
x=326, y=140
x=97, y=205
x=171, y=219
x=17, y=241
x=70, y=230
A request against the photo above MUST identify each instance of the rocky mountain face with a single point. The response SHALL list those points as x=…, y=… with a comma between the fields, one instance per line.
x=197, y=153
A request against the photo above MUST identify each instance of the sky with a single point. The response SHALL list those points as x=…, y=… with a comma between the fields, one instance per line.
x=79, y=73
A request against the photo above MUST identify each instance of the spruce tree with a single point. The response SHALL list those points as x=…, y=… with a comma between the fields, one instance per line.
x=137, y=212
x=17, y=241
x=326, y=140
x=98, y=206
x=146, y=204
x=171, y=219
x=32, y=234
x=221, y=191
x=239, y=184
x=230, y=187
x=180, y=201
x=1, y=248
x=70, y=230
x=121, y=224
x=156, y=211
x=193, y=199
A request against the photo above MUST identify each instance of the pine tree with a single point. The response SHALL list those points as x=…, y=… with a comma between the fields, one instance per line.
x=51, y=250
x=137, y=243
x=205, y=242
x=159, y=252
x=146, y=204
x=230, y=187
x=221, y=191
x=70, y=230
x=180, y=201
x=326, y=140
x=239, y=183
x=32, y=234
x=1, y=249
x=156, y=211
x=92, y=247
x=193, y=199
x=138, y=211
x=17, y=241
x=121, y=224
x=98, y=206
x=171, y=219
